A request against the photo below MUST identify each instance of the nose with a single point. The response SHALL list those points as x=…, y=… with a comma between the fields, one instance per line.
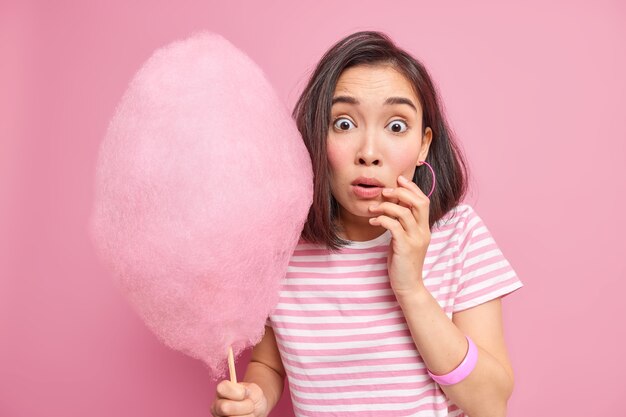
x=368, y=152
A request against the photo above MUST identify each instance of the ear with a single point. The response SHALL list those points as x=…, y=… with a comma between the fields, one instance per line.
x=426, y=141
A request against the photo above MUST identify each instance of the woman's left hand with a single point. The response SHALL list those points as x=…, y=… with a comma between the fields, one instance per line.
x=408, y=222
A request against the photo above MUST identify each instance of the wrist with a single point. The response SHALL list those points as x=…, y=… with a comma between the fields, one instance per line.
x=416, y=293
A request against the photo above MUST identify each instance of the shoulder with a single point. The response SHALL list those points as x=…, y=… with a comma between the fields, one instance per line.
x=460, y=227
x=462, y=216
x=305, y=248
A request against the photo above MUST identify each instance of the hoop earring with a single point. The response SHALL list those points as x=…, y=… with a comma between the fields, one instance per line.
x=434, y=177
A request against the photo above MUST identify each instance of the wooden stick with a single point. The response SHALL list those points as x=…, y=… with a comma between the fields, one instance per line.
x=231, y=365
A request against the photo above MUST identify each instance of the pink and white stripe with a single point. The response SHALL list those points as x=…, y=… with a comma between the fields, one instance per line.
x=341, y=334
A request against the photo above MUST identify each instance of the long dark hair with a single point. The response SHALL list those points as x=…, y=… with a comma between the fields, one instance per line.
x=312, y=115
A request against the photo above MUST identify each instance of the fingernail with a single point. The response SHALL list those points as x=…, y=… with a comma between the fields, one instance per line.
x=402, y=178
x=246, y=393
x=387, y=190
x=373, y=207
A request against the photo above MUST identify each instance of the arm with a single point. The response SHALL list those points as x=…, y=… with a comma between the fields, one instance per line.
x=440, y=341
x=442, y=345
x=266, y=369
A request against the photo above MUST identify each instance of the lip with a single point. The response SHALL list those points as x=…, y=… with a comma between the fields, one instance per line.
x=367, y=181
x=363, y=192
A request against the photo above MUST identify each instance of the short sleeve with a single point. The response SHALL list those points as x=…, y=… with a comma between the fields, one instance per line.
x=485, y=274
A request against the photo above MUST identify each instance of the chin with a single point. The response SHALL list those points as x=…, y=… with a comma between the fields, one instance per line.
x=361, y=208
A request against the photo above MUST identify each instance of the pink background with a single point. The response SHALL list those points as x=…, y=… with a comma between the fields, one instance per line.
x=535, y=91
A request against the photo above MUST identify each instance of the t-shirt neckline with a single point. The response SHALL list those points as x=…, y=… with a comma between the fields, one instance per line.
x=384, y=238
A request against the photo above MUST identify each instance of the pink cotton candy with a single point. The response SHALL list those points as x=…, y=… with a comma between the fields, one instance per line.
x=203, y=185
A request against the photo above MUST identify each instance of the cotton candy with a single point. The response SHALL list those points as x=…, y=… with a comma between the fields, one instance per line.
x=202, y=188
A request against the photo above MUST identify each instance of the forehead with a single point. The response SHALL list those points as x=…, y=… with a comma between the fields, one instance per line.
x=375, y=80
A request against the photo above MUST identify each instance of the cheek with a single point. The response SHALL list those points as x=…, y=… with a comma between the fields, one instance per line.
x=336, y=156
x=405, y=161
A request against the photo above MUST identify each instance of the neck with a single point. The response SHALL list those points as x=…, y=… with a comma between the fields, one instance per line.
x=358, y=229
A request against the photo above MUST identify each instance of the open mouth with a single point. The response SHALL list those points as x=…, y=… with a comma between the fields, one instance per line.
x=366, y=191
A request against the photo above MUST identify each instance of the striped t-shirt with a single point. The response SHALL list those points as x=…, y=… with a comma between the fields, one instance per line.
x=342, y=337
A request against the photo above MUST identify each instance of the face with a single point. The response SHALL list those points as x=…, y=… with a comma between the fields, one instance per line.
x=375, y=136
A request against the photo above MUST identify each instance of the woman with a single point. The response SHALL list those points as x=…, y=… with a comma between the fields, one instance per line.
x=391, y=302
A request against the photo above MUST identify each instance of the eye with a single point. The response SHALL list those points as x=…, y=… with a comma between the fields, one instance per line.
x=398, y=126
x=343, y=123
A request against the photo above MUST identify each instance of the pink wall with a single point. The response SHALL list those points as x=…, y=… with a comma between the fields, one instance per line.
x=535, y=92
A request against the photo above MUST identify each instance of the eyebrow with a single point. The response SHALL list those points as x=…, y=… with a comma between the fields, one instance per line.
x=389, y=101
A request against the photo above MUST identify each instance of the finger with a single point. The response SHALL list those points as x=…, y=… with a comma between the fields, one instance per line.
x=229, y=408
x=231, y=391
x=403, y=214
x=420, y=202
x=387, y=196
x=404, y=182
x=420, y=207
x=403, y=196
x=253, y=391
x=397, y=231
